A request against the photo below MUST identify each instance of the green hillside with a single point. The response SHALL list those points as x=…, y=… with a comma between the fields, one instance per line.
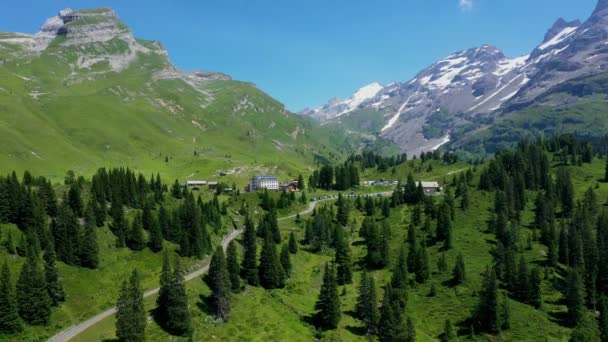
x=81, y=103
x=287, y=313
x=577, y=106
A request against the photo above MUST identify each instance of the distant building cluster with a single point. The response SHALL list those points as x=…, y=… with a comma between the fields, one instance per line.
x=430, y=187
x=269, y=182
x=199, y=184
x=381, y=182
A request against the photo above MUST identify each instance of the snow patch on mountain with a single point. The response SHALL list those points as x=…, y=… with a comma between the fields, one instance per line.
x=565, y=33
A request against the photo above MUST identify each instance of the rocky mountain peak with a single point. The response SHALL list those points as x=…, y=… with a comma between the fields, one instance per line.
x=559, y=27
x=84, y=26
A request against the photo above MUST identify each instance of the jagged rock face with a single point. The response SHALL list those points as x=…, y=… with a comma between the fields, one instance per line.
x=484, y=81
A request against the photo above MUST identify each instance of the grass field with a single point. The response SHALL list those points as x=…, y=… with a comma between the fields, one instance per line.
x=284, y=314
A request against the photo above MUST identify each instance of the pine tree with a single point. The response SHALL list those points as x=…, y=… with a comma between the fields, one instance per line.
x=119, y=224
x=442, y=263
x=53, y=285
x=9, y=317
x=89, y=250
x=162, y=301
x=367, y=303
x=178, y=316
x=459, y=273
x=328, y=305
x=449, y=334
x=399, y=279
x=155, y=241
x=535, y=292
x=135, y=236
x=232, y=261
x=285, y=260
x=249, y=269
x=487, y=314
x=505, y=313
x=603, y=318
x=522, y=288
x=219, y=283
x=131, y=315
x=343, y=258
x=293, y=244
x=271, y=271
x=75, y=200
x=575, y=297
x=33, y=301
x=586, y=331
x=390, y=327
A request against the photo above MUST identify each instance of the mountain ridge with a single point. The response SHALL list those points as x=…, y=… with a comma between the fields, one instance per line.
x=471, y=86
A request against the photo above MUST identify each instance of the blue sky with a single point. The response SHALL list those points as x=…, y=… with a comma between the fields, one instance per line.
x=304, y=52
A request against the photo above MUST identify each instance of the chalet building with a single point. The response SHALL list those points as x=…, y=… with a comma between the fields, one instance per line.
x=430, y=187
x=213, y=185
x=263, y=182
x=291, y=186
x=195, y=184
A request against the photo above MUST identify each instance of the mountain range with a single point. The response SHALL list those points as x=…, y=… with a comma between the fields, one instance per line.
x=454, y=100
x=83, y=92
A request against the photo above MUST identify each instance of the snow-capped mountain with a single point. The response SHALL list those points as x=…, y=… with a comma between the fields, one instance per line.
x=420, y=113
x=336, y=107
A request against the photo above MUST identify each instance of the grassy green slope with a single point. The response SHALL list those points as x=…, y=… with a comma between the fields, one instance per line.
x=577, y=106
x=56, y=114
x=287, y=311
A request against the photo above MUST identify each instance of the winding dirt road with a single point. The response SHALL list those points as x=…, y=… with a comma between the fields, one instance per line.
x=74, y=330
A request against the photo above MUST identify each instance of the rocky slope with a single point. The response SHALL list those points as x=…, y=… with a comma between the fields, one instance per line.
x=83, y=92
x=470, y=87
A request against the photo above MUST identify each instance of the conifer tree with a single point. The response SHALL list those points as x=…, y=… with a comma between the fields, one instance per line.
x=33, y=301
x=535, y=292
x=219, y=283
x=442, y=263
x=586, y=331
x=135, y=236
x=422, y=265
x=293, y=244
x=285, y=260
x=232, y=261
x=390, y=327
x=343, y=258
x=487, y=315
x=119, y=224
x=603, y=318
x=328, y=305
x=178, y=316
x=367, y=304
x=131, y=315
x=459, y=273
x=249, y=269
x=162, y=301
x=89, y=250
x=343, y=210
x=399, y=279
x=271, y=271
x=155, y=241
x=75, y=200
x=9, y=317
x=53, y=285
x=575, y=297
x=505, y=313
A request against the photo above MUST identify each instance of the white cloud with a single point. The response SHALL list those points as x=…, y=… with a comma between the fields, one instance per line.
x=465, y=5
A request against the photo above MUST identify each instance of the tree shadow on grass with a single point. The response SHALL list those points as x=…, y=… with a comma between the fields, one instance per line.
x=161, y=321
x=205, y=305
x=359, y=331
x=559, y=317
x=351, y=313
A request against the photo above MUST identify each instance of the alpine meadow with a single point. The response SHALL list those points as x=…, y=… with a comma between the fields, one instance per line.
x=140, y=201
